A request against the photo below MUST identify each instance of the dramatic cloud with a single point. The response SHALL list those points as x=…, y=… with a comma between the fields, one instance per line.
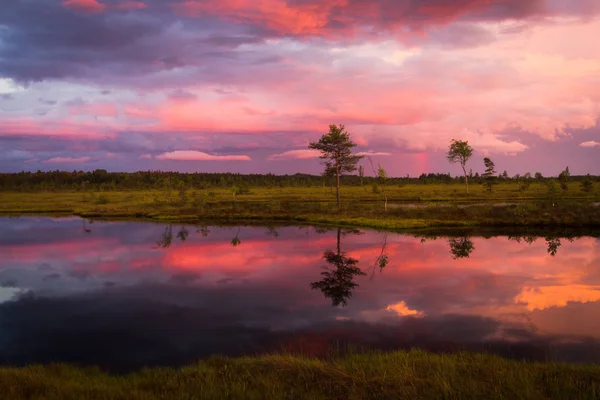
x=515, y=78
x=189, y=155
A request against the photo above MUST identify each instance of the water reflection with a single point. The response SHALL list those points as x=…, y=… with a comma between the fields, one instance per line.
x=461, y=247
x=126, y=295
x=338, y=281
x=552, y=242
x=236, y=240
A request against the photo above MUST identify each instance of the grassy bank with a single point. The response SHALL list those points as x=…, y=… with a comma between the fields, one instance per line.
x=408, y=207
x=399, y=375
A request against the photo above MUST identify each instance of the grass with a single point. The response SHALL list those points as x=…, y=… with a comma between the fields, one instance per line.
x=409, y=206
x=398, y=375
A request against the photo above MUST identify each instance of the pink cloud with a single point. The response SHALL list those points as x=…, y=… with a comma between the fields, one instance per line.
x=343, y=18
x=86, y=6
x=65, y=129
x=191, y=155
x=591, y=143
x=296, y=155
x=131, y=5
x=373, y=153
x=96, y=109
x=67, y=160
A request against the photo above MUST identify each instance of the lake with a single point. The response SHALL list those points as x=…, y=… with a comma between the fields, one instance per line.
x=123, y=295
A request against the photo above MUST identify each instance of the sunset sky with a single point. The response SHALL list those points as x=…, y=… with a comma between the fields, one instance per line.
x=244, y=85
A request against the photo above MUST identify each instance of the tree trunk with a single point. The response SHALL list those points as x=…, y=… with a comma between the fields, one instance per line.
x=337, y=182
x=339, y=234
x=466, y=178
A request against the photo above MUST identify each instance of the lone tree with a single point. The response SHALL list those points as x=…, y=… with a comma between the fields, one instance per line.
x=460, y=152
x=336, y=148
x=490, y=174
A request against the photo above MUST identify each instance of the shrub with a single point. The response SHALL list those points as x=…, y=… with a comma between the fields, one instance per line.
x=101, y=199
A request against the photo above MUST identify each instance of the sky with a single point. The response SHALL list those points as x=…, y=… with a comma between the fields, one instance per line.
x=245, y=85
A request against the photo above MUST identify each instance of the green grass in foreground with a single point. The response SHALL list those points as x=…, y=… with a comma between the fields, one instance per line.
x=409, y=206
x=398, y=375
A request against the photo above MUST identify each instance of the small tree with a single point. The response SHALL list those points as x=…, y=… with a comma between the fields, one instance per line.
x=460, y=152
x=336, y=153
x=526, y=182
x=489, y=175
x=563, y=178
x=382, y=178
x=586, y=184
x=552, y=193
x=538, y=176
x=361, y=173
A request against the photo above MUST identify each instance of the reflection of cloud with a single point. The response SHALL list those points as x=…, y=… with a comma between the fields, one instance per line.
x=124, y=329
x=540, y=298
x=403, y=310
x=9, y=293
x=423, y=294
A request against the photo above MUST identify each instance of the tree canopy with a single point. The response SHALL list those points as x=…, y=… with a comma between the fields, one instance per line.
x=460, y=152
x=336, y=153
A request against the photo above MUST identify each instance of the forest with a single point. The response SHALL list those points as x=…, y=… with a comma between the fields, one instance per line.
x=101, y=180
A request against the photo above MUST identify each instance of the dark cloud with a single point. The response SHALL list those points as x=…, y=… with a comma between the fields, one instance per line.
x=182, y=95
x=44, y=40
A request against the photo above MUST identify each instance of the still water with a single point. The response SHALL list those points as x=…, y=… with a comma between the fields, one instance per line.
x=123, y=295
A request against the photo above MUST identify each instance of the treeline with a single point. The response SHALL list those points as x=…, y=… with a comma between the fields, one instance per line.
x=103, y=180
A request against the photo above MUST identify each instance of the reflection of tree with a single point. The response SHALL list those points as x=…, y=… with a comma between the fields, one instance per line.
x=530, y=239
x=85, y=228
x=166, y=238
x=552, y=242
x=338, y=281
x=236, y=240
x=272, y=231
x=553, y=245
x=461, y=247
x=204, y=231
x=322, y=229
x=183, y=233
x=382, y=259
